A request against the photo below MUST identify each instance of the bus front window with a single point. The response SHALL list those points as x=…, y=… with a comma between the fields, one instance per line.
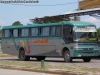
x=85, y=36
x=92, y=36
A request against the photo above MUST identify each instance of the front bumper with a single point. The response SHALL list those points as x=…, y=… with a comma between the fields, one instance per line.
x=82, y=53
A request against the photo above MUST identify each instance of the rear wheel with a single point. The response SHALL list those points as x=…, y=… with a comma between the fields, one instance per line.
x=86, y=59
x=23, y=56
x=39, y=58
x=67, y=57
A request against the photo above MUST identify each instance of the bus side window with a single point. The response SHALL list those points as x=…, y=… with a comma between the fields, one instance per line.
x=52, y=32
x=58, y=31
x=44, y=31
x=24, y=32
x=8, y=33
x=34, y=31
x=41, y=31
x=67, y=32
x=11, y=32
x=15, y=33
x=19, y=32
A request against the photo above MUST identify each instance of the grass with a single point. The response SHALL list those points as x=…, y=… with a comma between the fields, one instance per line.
x=4, y=55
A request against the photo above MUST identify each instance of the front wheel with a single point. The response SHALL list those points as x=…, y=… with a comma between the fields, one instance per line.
x=86, y=59
x=67, y=57
x=23, y=56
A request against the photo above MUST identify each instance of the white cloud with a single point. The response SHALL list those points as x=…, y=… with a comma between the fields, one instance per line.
x=93, y=20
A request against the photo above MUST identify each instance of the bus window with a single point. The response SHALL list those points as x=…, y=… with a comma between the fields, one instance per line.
x=25, y=32
x=67, y=33
x=41, y=31
x=15, y=33
x=8, y=33
x=34, y=31
x=58, y=31
x=44, y=31
x=52, y=33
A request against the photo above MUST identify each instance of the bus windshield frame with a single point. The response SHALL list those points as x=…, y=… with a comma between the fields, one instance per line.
x=85, y=34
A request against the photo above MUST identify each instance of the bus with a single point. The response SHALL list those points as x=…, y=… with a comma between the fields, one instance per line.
x=67, y=39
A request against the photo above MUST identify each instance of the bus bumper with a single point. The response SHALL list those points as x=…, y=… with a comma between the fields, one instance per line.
x=86, y=54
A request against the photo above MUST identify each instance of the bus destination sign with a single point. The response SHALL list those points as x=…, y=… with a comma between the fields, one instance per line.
x=84, y=29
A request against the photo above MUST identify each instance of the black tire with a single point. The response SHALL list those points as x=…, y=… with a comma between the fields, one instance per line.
x=86, y=59
x=23, y=57
x=39, y=58
x=67, y=57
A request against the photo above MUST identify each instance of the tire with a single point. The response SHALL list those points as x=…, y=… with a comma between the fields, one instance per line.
x=86, y=59
x=23, y=57
x=67, y=57
x=39, y=58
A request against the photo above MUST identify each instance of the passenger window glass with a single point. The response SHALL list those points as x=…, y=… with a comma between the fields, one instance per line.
x=7, y=33
x=15, y=32
x=52, y=31
x=25, y=32
x=58, y=31
x=34, y=32
x=44, y=31
x=66, y=32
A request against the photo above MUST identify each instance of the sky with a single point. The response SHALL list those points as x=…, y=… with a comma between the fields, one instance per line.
x=10, y=13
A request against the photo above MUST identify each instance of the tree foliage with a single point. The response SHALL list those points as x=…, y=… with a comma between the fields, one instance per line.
x=17, y=23
x=48, y=19
x=98, y=31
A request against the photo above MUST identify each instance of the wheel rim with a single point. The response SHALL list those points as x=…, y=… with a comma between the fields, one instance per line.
x=67, y=56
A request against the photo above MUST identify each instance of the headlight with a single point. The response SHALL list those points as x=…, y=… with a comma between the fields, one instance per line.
x=96, y=49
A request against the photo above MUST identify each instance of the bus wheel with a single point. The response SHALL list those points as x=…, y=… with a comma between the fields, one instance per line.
x=39, y=58
x=87, y=59
x=67, y=57
x=23, y=56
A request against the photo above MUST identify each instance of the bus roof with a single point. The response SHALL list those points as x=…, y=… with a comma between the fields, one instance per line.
x=70, y=23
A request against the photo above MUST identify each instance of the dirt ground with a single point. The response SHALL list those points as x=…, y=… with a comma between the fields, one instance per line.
x=52, y=65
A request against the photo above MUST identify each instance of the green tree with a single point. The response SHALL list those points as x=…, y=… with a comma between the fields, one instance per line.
x=17, y=23
x=47, y=19
x=98, y=31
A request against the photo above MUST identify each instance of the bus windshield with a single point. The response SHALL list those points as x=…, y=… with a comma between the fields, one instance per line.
x=85, y=36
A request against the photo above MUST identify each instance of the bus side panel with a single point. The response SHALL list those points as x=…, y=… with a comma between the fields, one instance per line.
x=7, y=46
x=53, y=47
x=45, y=49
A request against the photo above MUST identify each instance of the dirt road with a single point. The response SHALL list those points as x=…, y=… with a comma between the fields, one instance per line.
x=17, y=72
x=95, y=63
